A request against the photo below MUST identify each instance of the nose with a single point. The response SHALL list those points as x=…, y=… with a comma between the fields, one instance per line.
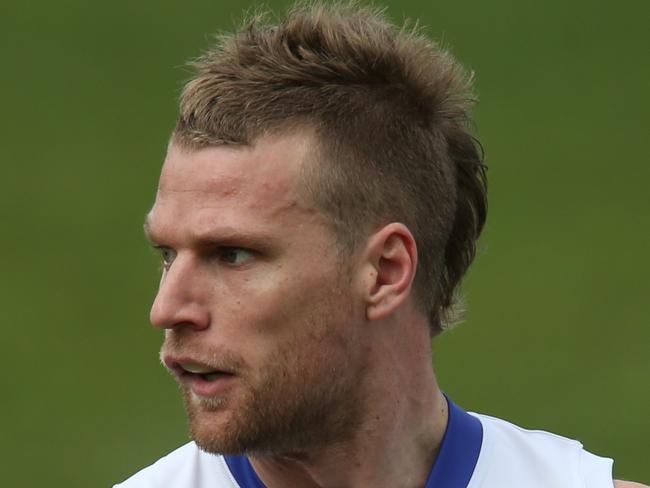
x=180, y=300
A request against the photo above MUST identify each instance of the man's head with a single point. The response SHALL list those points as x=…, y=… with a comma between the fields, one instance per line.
x=320, y=171
x=389, y=110
x=261, y=323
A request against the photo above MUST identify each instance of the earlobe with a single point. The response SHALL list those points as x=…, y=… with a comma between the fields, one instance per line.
x=392, y=258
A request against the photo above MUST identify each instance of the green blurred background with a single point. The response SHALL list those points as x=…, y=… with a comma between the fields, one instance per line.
x=556, y=336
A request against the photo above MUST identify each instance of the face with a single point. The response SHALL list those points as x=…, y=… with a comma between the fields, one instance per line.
x=260, y=318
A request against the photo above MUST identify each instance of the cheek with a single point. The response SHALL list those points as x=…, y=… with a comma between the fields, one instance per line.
x=254, y=318
x=259, y=314
x=272, y=299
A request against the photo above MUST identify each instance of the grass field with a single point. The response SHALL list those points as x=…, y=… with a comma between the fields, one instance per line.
x=557, y=332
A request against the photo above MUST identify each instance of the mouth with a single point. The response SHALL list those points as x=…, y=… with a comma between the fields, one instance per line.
x=204, y=372
x=191, y=368
x=201, y=378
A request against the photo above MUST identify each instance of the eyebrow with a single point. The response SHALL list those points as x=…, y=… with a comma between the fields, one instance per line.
x=217, y=236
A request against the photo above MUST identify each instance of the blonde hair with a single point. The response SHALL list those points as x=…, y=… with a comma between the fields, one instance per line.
x=391, y=112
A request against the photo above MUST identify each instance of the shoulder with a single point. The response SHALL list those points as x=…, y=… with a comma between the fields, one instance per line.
x=185, y=467
x=514, y=456
x=551, y=449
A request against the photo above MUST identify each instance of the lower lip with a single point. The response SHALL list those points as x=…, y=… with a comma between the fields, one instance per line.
x=205, y=388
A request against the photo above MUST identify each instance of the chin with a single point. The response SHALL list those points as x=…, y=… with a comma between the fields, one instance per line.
x=215, y=432
x=211, y=424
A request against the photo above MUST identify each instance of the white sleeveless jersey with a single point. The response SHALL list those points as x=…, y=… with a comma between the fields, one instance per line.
x=477, y=451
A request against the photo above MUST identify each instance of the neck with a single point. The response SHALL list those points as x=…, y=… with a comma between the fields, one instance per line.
x=398, y=439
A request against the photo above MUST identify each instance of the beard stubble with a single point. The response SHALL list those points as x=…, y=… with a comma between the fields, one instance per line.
x=306, y=397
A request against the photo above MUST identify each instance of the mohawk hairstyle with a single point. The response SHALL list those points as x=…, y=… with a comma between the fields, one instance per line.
x=391, y=113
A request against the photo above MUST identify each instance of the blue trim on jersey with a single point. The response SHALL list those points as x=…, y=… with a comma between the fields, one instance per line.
x=241, y=469
x=453, y=468
x=459, y=450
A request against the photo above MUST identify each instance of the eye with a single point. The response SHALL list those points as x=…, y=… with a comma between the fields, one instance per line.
x=167, y=256
x=234, y=255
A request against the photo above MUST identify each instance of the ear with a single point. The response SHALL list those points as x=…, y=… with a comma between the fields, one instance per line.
x=389, y=267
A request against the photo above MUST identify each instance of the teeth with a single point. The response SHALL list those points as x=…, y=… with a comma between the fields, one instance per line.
x=195, y=368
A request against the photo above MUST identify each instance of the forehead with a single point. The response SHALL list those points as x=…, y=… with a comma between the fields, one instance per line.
x=271, y=163
x=232, y=184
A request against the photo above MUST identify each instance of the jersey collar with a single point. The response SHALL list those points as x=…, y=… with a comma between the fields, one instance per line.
x=459, y=451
